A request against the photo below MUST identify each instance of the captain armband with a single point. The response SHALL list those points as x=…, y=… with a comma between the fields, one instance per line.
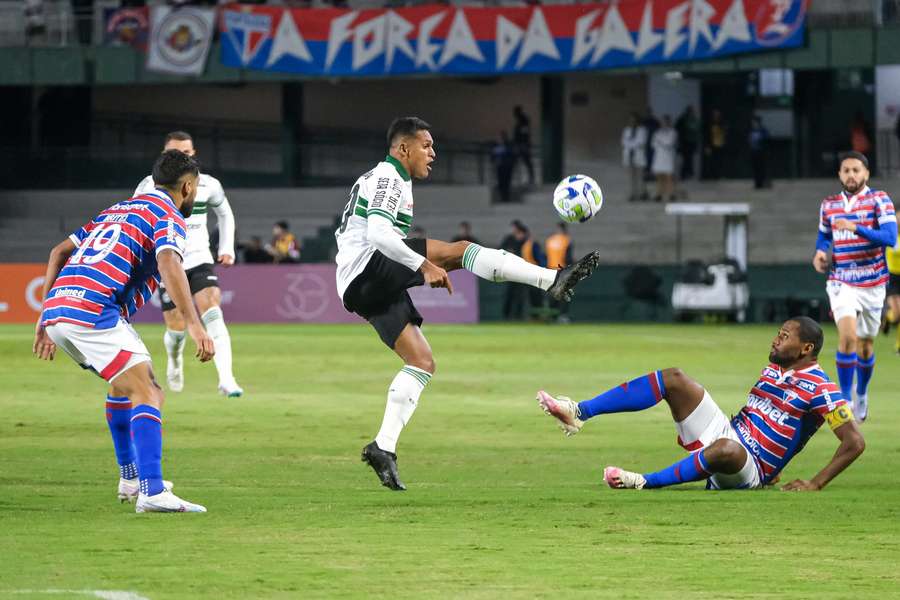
x=839, y=416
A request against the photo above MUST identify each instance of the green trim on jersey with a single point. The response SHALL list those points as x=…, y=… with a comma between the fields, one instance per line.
x=399, y=166
x=404, y=219
x=360, y=209
x=381, y=213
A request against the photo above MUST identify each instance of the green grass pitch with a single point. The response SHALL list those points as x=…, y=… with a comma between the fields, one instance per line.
x=500, y=503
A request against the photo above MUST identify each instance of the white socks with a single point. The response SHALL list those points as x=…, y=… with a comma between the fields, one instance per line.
x=500, y=265
x=402, y=399
x=215, y=327
x=174, y=342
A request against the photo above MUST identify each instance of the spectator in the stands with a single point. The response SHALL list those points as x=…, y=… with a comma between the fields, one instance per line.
x=717, y=138
x=284, y=247
x=634, y=156
x=465, y=234
x=665, y=143
x=254, y=253
x=522, y=141
x=503, y=157
x=758, y=140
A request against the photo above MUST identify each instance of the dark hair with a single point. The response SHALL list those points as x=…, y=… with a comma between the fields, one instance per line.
x=853, y=154
x=405, y=127
x=465, y=224
x=171, y=166
x=178, y=136
x=810, y=333
x=562, y=226
x=283, y=225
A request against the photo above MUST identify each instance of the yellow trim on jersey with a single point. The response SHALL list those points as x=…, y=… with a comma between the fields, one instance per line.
x=893, y=259
x=839, y=416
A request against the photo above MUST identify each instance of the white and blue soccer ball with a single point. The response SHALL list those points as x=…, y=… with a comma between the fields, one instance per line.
x=577, y=198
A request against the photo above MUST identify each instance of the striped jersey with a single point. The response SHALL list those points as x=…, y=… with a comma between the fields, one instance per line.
x=384, y=192
x=856, y=260
x=113, y=271
x=784, y=409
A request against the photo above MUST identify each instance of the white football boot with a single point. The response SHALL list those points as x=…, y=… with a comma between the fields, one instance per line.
x=129, y=488
x=564, y=409
x=175, y=373
x=231, y=389
x=165, y=501
x=621, y=479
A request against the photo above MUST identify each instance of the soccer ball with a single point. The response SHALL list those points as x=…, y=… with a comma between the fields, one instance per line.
x=577, y=198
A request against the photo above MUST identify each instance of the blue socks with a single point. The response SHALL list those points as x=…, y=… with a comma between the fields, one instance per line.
x=846, y=367
x=691, y=468
x=118, y=417
x=634, y=395
x=146, y=428
x=864, y=368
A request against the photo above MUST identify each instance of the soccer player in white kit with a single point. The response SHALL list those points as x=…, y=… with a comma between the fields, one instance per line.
x=856, y=226
x=198, y=264
x=376, y=263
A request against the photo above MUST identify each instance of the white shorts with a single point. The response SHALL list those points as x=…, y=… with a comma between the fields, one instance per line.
x=108, y=352
x=864, y=303
x=706, y=425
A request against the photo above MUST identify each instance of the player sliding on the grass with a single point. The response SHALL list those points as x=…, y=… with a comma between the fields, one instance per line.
x=96, y=279
x=788, y=404
x=376, y=264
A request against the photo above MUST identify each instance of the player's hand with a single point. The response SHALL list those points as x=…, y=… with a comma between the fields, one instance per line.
x=205, y=348
x=820, y=262
x=800, y=485
x=435, y=276
x=843, y=225
x=226, y=260
x=43, y=346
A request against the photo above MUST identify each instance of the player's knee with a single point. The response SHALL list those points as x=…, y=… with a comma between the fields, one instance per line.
x=725, y=456
x=426, y=363
x=674, y=378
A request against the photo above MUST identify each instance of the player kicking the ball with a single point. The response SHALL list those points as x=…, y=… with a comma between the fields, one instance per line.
x=788, y=404
x=96, y=279
x=198, y=265
x=376, y=264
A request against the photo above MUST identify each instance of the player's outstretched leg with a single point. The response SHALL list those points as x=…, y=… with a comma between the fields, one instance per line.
x=637, y=394
x=722, y=456
x=500, y=265
x=137, y=384
x=864, y=370
x=402, y=400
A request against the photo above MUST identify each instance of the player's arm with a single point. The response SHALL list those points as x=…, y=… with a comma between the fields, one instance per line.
x=823, y=243
x=43, y=347
x=381, y=216
x=225, y=219
x=176, y=283
x=852, y=445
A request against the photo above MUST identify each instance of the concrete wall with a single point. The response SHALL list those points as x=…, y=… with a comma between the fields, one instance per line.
x=461, y=109
x=258, y=102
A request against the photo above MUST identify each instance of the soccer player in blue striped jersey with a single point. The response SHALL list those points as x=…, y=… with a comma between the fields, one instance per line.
x=856, y=226
x=790, y=401
x=96, y=279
